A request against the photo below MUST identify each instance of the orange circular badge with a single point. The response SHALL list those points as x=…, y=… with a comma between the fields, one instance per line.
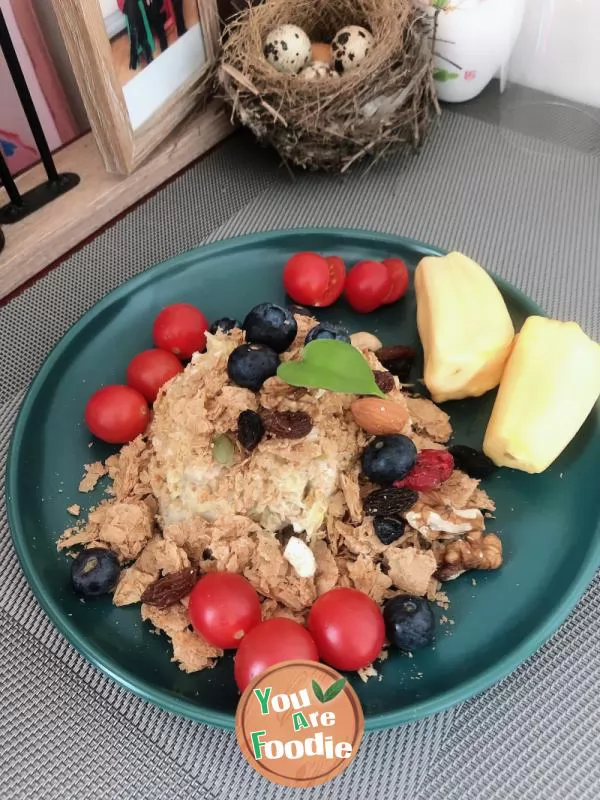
x=299, y=723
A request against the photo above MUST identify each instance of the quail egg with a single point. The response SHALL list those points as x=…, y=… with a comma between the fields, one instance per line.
x=316, y=71
x=350, y=46
x=288, y=49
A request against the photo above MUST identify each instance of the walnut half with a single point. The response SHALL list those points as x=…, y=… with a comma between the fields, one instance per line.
x=475, y=551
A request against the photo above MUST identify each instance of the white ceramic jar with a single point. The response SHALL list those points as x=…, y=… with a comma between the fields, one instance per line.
x=474, y=42
x=558, y=50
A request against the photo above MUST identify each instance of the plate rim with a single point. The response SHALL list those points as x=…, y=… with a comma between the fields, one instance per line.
x=161, y=698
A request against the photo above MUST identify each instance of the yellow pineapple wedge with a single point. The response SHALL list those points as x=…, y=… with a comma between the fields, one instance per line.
x=464, y=325
x=549, y=386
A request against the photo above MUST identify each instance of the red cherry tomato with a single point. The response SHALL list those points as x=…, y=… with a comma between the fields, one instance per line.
x=223, y=607
x=180, y=329
x=399, y=279
x=347, y=627
x=337, y=278
x=367, y=285
x=272, y=641
x=117, y=414
x=306, y=278
x=150, y=369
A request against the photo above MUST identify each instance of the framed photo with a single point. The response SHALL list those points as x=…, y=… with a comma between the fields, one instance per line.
x=141, y=67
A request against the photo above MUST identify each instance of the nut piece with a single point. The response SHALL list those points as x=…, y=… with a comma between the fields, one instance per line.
x=378, y=416
x=301, y=557
x=475, y=551
x=287, y=424
x=167, y=591
x=364, y=340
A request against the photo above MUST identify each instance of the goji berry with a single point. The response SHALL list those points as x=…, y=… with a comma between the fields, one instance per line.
x=432, y=468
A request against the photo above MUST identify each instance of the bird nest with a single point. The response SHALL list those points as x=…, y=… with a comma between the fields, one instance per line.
x=332, y=123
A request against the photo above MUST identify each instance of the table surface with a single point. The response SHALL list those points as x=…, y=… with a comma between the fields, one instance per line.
x=516, y=184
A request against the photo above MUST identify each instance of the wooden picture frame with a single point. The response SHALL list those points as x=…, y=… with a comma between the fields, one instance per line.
x=123, y=145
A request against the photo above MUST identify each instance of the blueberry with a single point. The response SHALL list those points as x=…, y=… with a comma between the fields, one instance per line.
x=250, y=365
x=388, y=458
x=326, y=330
x=95, y=571
x=388, y=529
x=409, y=622
x=225, y=324
x=475, y=463
x=271, y=325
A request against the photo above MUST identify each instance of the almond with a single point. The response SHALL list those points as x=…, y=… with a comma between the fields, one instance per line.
x=379, y=416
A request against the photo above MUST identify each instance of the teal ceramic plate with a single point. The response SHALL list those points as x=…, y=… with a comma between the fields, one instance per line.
x=549, y=523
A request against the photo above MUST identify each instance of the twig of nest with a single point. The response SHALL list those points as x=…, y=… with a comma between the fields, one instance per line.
x=332, y=121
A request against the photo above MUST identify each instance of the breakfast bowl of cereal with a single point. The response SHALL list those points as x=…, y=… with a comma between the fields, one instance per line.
x=309, y=444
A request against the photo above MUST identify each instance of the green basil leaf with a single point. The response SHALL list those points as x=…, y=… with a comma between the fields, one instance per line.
x=318, y=691
x=334, y=689
x=333, y=365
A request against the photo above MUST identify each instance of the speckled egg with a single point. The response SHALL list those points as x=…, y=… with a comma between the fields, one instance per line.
x=288, y=49
x=317, y=71
x=350, y=46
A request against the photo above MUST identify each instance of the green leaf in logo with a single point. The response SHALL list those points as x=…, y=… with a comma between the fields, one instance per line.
x=443, y=75
x=318, y=691
x=330, y=364
x=334, y=689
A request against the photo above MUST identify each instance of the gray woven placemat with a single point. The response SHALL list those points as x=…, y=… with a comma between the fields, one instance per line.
x=527, y=208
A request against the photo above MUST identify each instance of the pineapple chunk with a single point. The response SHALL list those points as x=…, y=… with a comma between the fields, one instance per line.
x=464, y=325
x=549, y=387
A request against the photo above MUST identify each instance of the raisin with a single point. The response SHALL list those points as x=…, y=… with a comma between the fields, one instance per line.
x=398, y=360
x=385, y=380
x=388, y=529
x=475, y=463
x=167, y=591
x=287, y=424
x=389, y=502
x=250, y=429
x=432, y=468
x=394, y=353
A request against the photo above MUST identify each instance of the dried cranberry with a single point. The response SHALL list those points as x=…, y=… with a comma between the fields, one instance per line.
x=433, y=467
